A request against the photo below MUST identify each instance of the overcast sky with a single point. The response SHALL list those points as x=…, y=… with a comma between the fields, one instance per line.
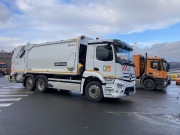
x=154, y=25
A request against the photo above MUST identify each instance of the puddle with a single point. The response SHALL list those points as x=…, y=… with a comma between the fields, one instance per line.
x=170, y=117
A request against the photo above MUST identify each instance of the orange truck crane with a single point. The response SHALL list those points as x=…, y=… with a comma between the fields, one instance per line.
x=151, y=72
x=3, y=69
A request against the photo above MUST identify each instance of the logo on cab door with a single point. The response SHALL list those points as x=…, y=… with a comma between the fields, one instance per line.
x=107, y=68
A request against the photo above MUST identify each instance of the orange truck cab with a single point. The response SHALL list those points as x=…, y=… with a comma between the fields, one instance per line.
x=151, y=72
x=3, y=67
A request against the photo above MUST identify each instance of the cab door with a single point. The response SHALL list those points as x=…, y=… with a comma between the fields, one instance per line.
x=155, y=68
x=104, y=60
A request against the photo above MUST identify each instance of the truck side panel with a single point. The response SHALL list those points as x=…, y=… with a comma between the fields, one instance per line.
x=52, y=58
x=18, y=60
x=136, y=59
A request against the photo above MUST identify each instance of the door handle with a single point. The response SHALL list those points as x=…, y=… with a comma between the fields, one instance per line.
x=96, y=69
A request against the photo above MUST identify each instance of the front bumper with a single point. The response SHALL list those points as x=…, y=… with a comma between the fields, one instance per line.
x=161, y=83
x=2, y=72
x=119, y=89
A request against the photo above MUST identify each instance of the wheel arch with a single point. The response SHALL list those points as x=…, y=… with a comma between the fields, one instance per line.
x=89, y=76
x=145, y=77
x=90, y=79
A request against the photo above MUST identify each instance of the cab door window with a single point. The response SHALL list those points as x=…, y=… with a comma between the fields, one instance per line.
x=104, y=53
x=156, y=65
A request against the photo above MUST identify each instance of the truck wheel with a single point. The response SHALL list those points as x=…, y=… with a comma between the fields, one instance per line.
x=41, y=85
x=93, y=91
x=149, y=84
x=30, y=83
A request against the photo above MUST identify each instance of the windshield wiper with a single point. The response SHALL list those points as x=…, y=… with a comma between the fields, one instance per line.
x=126, y=62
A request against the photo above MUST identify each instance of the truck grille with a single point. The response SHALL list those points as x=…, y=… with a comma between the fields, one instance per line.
x=129, y=77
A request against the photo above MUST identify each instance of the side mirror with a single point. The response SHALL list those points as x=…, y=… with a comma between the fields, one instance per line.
x=168, y=66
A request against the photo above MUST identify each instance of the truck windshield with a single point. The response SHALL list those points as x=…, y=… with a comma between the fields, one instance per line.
x=123, y=54
x=165, y=66
x=2, y=65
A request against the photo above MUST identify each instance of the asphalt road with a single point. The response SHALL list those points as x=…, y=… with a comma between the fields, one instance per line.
x=57, y=113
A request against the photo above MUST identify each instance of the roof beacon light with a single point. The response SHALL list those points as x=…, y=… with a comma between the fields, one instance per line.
x=82, y=36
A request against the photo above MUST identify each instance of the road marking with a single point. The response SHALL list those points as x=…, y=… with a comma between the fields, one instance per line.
x=13, y=95
x=13, y=87
x=137, y=115
x=176, y=101
x=5, y=104
x=11, y=99
x=15, y=92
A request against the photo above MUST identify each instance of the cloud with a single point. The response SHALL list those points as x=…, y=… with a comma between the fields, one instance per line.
x=98, y=17
x=9, y=43
x=37, y=21
x=169, y=51
x=145, y=44
x=4, y=13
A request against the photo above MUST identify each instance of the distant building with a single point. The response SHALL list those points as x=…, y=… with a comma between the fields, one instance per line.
x=6, y=58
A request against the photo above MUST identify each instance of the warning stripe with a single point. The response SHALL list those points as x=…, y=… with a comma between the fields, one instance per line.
x=125, y=68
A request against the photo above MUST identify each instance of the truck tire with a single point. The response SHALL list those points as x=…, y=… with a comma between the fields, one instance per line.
x=93, y=91
x=41, y=85
x=149, y=84
x=30, y=83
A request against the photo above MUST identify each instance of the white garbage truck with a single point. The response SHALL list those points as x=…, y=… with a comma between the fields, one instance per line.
x=96, y=68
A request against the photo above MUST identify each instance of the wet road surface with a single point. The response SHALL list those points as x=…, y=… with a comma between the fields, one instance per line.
x=24, y=112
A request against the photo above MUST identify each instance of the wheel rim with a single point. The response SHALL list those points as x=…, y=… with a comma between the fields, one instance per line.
x=148, y=84
x=94, y=91
x=40, y=85
x=29, y=83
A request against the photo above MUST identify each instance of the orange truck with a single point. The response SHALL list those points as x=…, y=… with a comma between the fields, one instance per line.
x=151, y=72
x=3, y=68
